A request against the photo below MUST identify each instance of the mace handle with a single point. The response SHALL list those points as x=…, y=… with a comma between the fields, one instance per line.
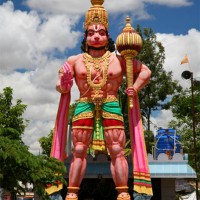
x=129, y=75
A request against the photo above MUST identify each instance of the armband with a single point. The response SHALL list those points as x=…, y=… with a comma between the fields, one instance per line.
x=60, y=71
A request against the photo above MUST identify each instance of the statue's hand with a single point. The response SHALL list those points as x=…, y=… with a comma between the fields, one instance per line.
x=66, y=81
x=131, y=91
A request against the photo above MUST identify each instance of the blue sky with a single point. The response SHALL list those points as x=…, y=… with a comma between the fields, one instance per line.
x=177, y=20
x=37, y=36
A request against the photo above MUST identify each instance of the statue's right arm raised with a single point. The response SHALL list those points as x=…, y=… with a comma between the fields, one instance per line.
x=65, y=80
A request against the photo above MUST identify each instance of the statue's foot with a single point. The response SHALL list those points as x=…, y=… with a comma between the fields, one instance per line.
x=72, y=193
x=71, y=196
x=123, y=193
x=123, y=196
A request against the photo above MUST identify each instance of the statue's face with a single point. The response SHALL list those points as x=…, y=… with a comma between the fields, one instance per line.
x=96, y=36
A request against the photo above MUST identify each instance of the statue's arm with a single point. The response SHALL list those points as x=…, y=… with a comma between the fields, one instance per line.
x=122, y=63
x=65, y=75
x=143, y=75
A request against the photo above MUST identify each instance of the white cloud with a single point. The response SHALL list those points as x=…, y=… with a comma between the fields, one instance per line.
x=73, y=7
x=115, y=6
x=41, y=98
x=76, y=7
x=29, y=40
x=54, y=27
x=171, y=3
x=161, y=120
x=15, y=48
x=176, y=46
x=27, y=37
x=36, y=130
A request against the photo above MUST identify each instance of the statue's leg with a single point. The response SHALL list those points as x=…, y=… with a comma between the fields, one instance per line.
x=115, y=141
x=81, y=140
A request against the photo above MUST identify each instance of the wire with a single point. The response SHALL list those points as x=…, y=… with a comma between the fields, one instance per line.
x=178, y=142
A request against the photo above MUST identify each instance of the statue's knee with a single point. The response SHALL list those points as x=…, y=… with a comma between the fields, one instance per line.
x=116, y=150
x=80, y=150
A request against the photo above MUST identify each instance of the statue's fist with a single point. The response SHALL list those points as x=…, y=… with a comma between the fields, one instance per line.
x=131, y=91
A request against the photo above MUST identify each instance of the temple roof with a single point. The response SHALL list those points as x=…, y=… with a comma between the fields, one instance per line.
x=177, y=167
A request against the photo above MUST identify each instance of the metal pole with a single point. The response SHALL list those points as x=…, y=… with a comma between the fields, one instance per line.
x=175, y=143
x=194, y=131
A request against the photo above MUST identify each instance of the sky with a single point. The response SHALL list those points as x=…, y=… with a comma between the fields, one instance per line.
x=37, y=36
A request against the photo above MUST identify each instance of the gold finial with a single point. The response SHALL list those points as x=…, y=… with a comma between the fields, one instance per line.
x=128, y=26
x=129, y=39
x=97, y=2
x=128, y=20
x=96, y=14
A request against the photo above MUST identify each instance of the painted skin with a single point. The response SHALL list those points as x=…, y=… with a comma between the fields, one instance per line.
x=115, y=138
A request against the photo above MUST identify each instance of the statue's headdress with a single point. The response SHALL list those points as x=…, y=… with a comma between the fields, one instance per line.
x=96, y=14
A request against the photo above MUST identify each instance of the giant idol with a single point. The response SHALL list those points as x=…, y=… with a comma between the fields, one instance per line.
x=98, y=122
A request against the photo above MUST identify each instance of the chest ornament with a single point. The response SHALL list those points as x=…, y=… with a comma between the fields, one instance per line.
x=100, y=65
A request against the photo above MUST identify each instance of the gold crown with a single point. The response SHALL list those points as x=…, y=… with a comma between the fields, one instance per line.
x=96, y=14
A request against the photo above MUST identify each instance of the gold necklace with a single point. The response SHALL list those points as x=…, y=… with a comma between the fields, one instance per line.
x=89, y=60
x=98, y=63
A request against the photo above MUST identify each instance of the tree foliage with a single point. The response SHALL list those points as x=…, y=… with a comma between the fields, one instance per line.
x=18, y=165
x=182, y=109
x=161, y=86
x=12, y=124
x=45, y=143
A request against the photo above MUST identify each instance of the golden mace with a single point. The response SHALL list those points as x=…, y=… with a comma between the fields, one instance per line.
x=129, y=44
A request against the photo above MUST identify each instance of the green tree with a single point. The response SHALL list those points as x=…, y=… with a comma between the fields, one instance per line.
x=12, y=124
x=17, y=163
x=161, y=86
x=181, y=106
x=45, y=143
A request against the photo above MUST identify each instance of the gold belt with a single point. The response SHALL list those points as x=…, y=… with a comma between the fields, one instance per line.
x=103, y=100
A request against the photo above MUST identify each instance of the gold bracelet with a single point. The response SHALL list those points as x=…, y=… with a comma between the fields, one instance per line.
x=136, y=91
x=62, y=91
x=73, y=189
x=122, y=189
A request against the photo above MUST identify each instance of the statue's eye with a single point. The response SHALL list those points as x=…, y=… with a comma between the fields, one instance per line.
x=102, y=32
x=90, y=33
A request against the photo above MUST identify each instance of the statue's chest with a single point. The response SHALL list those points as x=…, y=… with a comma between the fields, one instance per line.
x=98, y=68
x=98, y=73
